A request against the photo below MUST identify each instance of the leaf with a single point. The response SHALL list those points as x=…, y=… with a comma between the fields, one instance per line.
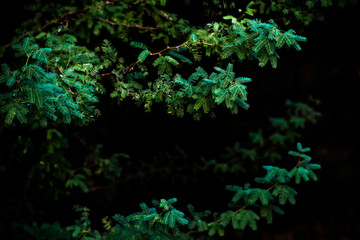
x=285, y=193
x=245, y=218
x=280, y=123
x=10, y=81
x=267, y=212
x=290, y=39
x=257, y=137
x=174, y=216
x=179, y=56
x=301, y=149
x=201, y=225
x=238, y=90
x=147, y=214
x=314, y=166
x=143, y=55
x=226, y=217
x=260, y=44
x=276, y=174
x=26, y=48
x=193, y=37
x=15, y=109
x=215, y=227
x=10, y=116
x=229, y=68
x=163, y=66
x=139, y=45
x=278, y=138
x=33, y=71
x=260, y=194
x=171, y=60
x=34, y=96
x=242, y=104
x=76, y=232
x=242, y=80
x=293, y=153
x=41, y=54
x=61, y=106
x=273, y=60
x=228, y=50
x=77, y=181
x=307, y=158
x=239, y=192
x=249, y=154
x=121, y=219
x=299, y=173
x=221, y=95
x=6, y=69
x=273, y=31
x=202, y=102
x=167, y=204
x=202, y=72
x=9, y=77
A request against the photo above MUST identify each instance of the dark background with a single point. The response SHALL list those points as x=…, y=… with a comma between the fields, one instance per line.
x=328, y=68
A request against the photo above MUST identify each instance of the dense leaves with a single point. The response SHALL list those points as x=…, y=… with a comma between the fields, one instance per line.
x=60, y=76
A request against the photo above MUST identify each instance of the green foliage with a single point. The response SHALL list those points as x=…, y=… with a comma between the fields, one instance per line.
x=284, y=192
x=137, y=51
x=247, y=40
x=265, y=198
x=164, y=221
x=148, y=223
x=67, y=91
x=79, y=69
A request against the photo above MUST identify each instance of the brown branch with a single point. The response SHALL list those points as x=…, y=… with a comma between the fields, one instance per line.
x=107, y=21
x=111, y=73
x=168, y=48
x=132, y=65
x=106, y=3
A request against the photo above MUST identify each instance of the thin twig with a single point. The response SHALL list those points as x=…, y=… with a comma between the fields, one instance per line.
x=132, y=65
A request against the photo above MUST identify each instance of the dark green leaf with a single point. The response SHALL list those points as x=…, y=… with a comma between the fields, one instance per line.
x=285, y=193
x=41, y=54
